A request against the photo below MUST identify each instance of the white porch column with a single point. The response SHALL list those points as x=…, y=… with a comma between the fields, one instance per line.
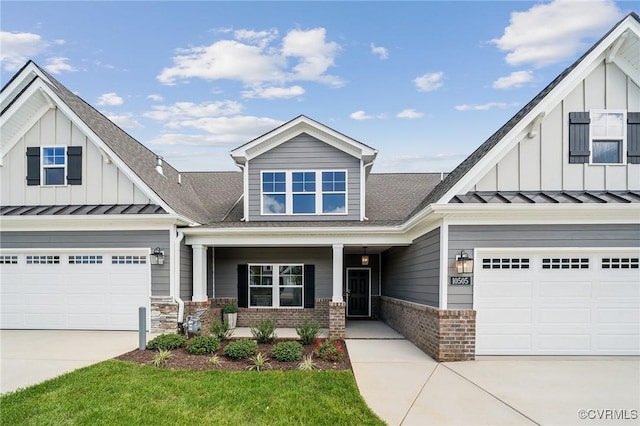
x=213, y=272
x=199, y=273
x=338, y=256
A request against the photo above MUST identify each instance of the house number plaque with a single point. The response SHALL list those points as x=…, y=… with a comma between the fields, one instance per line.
x=460, y=280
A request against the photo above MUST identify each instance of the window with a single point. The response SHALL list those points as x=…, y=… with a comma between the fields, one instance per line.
x=53, y=165
x=608, y=134
x=565, y=263
x=303, y=192
x=274, y=193
x=8, y=260
x=276, y=286
x=128, y=260
x=334, y=192
x=505, y=263
x=620, y=263
x=85, y=259
x=42, y=260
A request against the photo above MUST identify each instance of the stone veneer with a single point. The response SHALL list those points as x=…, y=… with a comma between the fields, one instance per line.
x=164, y=315
x=286, y=317
x=337, y=320
x=444, y=335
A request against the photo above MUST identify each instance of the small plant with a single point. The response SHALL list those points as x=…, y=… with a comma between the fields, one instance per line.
x=258, y=362
x=230, y=308
x=221, y=330
x=241, y=349
x=329, y=350
x=167, y=342
x=161, y=358
x=287, y=351
x=308, y=331
x=264, y=331
x=308, y=364
x=215, y=361
x=201, y=345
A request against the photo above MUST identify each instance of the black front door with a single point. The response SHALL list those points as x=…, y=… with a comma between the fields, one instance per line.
x=358, y=292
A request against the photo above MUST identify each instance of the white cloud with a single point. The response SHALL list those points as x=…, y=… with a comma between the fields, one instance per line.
x=410, y=113
x=111, y=99
x=551, y=32
x=274, y=92
x=513, y=80
x=155, y=97
x=361, y=115
x=429, y=81
x=58, y=64
x=17, y=48
x=253, y=59
x=382, y=52
x=126, y=121
x=485, y=107
x=189, y=110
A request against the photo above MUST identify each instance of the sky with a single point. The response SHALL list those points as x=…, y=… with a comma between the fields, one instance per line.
x=424, y=83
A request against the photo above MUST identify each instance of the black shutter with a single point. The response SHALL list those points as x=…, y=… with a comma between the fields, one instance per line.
x=74, y=165
x=243, y=286
x=579, y=137
x=633, y=137
x=309, y=286
x=33, y=165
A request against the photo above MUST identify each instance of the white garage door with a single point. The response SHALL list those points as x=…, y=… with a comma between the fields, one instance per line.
x=78, y=291
x=557, y=303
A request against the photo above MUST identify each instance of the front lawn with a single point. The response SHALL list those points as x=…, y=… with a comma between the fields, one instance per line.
x=116, y=392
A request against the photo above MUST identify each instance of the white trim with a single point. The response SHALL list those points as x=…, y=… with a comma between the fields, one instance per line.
x=349, y=269
x=338, y=267
x=88, y=222
x=443, y=290
x=53, y=166
x=174, y=255
x=74, y=250
x=199, y=289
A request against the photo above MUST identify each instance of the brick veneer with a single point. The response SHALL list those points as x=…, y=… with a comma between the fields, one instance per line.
x=444, y=335
x=190, y=308
x=164, y=315
x=337, y=320
x=285, y=317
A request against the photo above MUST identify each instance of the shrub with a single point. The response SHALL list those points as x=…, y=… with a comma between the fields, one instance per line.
x=221, y=330
x=259, y=362
x=167, y=342
x=308, y=364
x=215, y=361
x=329, y=350
x=201, y=345
x=287, y=351
x=308, y=331
x=161, y=358
x=230, y=308
x=265, y=331
x=240, y=349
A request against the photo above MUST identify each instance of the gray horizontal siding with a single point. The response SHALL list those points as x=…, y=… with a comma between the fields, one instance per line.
x=412, y=273
x=99, y=239
x=186, y=271
x=227, y=260
x=305, y=152
x=498, y=236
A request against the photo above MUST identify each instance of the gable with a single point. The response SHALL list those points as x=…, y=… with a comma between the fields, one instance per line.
x=102, y=182
x=540, y=161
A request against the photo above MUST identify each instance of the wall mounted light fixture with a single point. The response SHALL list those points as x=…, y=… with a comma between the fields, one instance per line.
x=464, y=263
x=364, y=259
x=157, y=256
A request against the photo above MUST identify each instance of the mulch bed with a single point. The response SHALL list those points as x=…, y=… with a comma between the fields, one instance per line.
x=184, y=360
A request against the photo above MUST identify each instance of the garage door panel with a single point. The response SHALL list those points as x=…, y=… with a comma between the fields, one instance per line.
x=95, y=296
x=586, y=309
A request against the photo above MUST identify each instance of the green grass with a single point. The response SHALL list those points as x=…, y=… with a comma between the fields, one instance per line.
x=116, y=392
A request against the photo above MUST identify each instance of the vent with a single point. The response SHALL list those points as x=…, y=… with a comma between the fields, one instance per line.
x=565, y=263
x=506, y=263
x=620, y=263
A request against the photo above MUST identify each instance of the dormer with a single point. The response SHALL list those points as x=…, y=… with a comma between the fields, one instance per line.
x=304, y=171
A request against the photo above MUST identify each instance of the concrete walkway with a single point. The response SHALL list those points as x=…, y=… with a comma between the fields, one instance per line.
x=404, y=386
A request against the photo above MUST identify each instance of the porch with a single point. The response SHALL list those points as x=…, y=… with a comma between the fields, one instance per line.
x=355, y=329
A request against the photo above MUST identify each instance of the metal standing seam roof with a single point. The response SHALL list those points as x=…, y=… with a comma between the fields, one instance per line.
x=546, y=197
x=85, y=209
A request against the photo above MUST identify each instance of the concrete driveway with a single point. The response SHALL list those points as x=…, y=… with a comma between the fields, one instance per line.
x=405, y=387
x=28, y=357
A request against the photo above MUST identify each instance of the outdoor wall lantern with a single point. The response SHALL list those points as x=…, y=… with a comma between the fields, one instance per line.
x=364, y=259
x=157, y=256
x=464, y=263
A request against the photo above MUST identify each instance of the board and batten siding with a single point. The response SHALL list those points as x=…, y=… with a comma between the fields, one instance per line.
x=305, y=153
x=542, y=163
x=412, y=273
x=227, y=260
x=186, y=271
x=98, y=240
x=102, y=183
x=463, y=237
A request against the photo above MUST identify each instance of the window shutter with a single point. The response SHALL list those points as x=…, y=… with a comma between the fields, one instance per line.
x=309, y=286
x=74, y=165
x=579, y=137
x=33, y=165
x=243, y=286
x=633, y=137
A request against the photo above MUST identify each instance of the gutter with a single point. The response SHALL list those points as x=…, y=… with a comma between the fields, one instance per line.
x=176, y=266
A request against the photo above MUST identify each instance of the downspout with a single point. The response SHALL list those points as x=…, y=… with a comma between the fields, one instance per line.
x=176, y=266
x=363, y=184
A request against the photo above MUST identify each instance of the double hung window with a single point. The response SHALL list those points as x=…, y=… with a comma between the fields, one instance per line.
x=53, y=165
x=276, y=286
x=608, y=132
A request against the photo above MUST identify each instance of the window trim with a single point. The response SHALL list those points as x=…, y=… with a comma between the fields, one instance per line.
x=275, y=285
x=43, y=166
x=318, y=193
x=593, y=138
